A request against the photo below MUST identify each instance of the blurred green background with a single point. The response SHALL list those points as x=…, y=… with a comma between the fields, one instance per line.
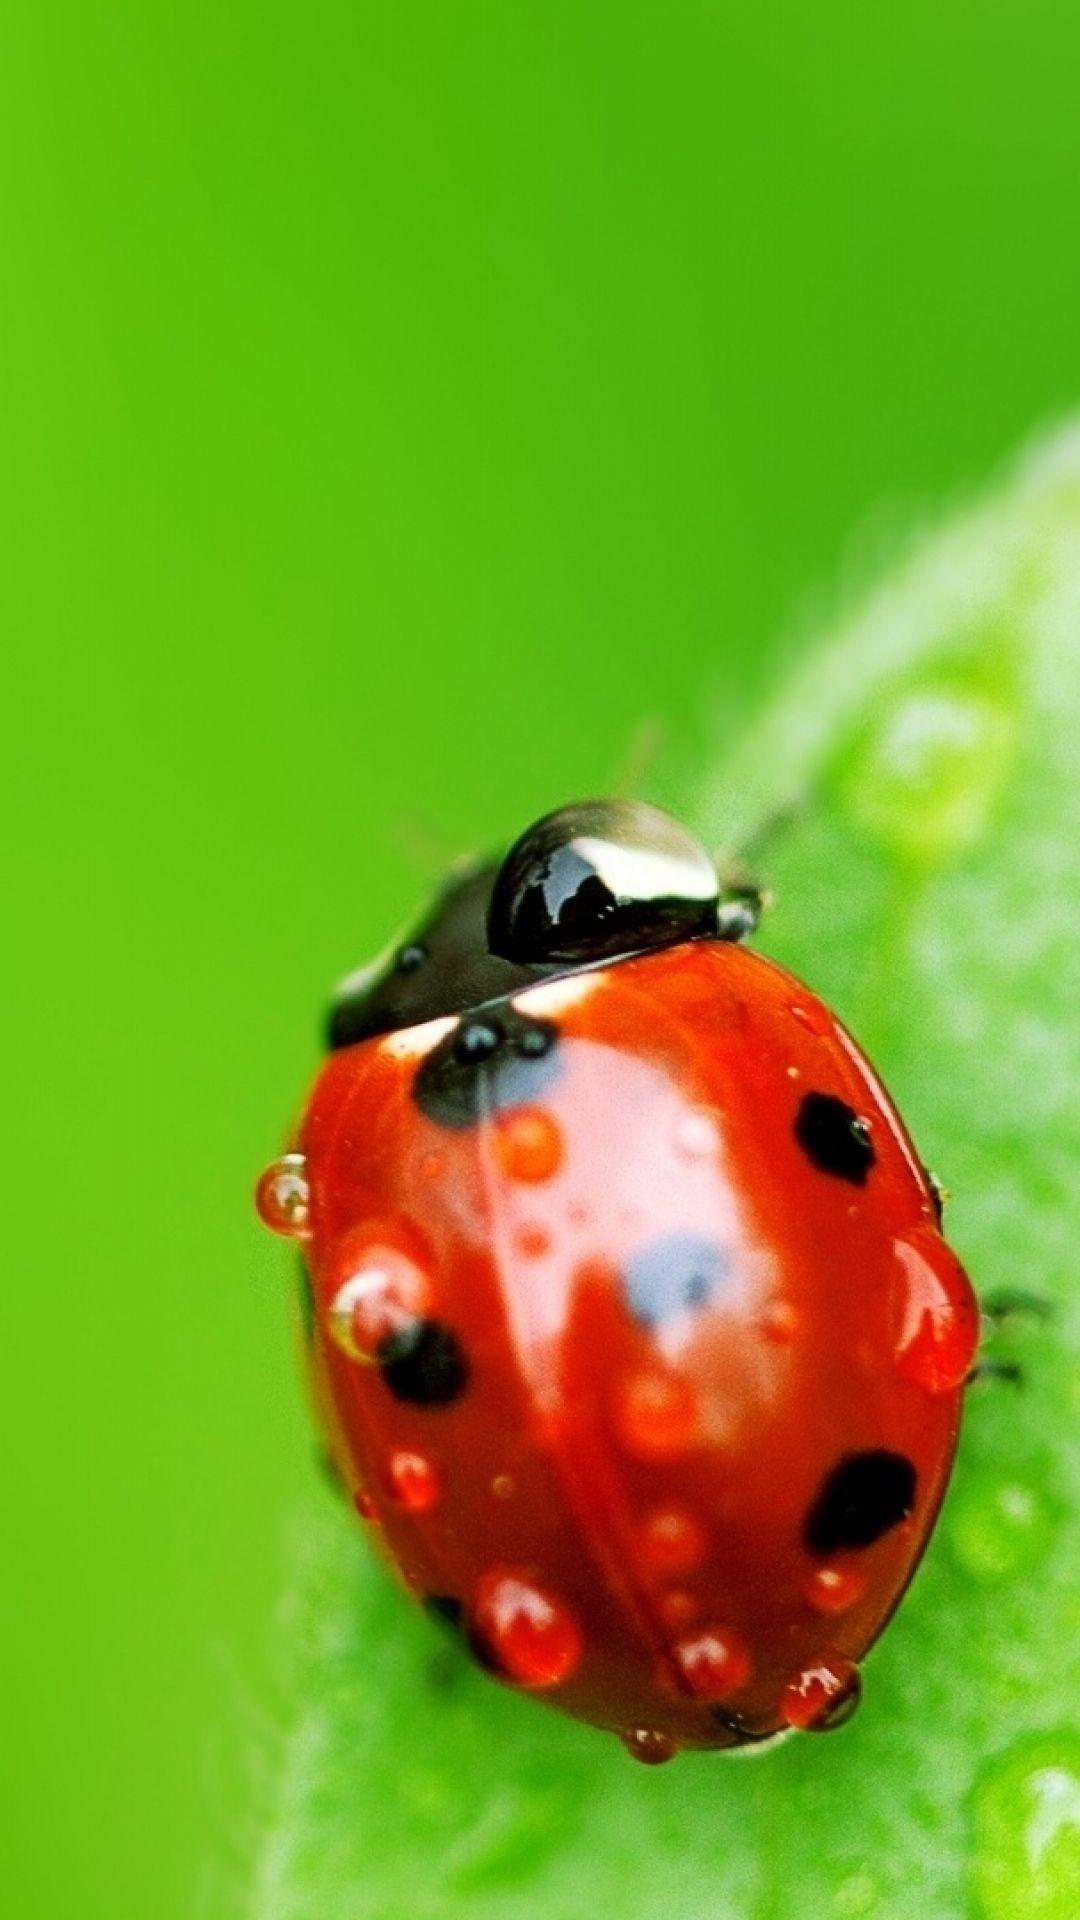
x=401, y=403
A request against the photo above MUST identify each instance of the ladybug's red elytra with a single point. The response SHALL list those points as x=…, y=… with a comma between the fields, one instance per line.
x=633, y=1329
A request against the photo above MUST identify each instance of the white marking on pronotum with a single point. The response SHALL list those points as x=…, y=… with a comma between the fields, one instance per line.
x=554, y=996
x=412, y=1043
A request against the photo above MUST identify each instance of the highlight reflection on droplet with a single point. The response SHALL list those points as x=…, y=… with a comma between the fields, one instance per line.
x=377, y=1290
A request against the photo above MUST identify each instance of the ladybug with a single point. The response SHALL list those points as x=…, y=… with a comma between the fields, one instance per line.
x=631, y=1323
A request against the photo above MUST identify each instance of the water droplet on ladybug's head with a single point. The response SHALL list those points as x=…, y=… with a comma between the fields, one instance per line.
x=602, y=878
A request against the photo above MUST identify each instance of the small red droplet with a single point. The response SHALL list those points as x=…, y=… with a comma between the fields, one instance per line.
x=780, y=1322
x=834, y=1589
x=414, y=1481
x=821, y=1696
x=939, y=1319
x=532, y=1240
x=532, y=1636
x=364, y=1504
x=676, y=1607
x=655, y=1415
x=714, y=1664
x=376, y=1289
x=528, y=1144
x=652, y=1749
x=283, y=1197
x=671, y=1542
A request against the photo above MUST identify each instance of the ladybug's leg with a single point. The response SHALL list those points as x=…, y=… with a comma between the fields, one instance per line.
x=743, y=898
x=1002, y=1309
x=1008, y=1370
x=638, y=759
x=1015, y=1303
x=742, y=903
x=330, y=1471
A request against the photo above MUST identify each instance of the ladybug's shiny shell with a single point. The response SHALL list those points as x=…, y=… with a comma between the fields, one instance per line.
x=636, y=1337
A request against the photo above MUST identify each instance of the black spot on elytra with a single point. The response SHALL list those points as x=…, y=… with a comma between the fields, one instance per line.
x=495, y=1059
x=862, y=1497
x=424, y=1364
x=832, y=1135
x=665, y=1277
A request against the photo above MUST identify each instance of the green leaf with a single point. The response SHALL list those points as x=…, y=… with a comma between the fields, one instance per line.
x=928, y=884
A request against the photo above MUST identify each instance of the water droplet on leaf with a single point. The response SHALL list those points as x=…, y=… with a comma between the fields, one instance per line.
x=925, y=774
x=1026, y=1818
x=999, y=1527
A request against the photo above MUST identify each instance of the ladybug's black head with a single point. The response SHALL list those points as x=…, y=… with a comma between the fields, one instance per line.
x=597, y=881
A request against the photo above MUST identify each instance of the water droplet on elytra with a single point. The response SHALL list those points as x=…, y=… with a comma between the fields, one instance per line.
x=532, y=1240
x=283, y=1197
x=779, y=1322
x=999, y=1527
x=671, y=1542
x=821, y=1696
x=377, y=1290
x=938, y=1331
x=697, y=1134
x=655, y=1415
x=413, y=1480
x=714, y=1664
x=833, y=1589
x=528, y=1144
x=676, y=1608
x=531, y=1635
x=1026, y=1820
x=651, y=1748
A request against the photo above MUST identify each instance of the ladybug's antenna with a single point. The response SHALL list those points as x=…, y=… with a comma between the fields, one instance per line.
x=639, y=757
x=746, y=854
x=743, y=896
x=418, y=843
